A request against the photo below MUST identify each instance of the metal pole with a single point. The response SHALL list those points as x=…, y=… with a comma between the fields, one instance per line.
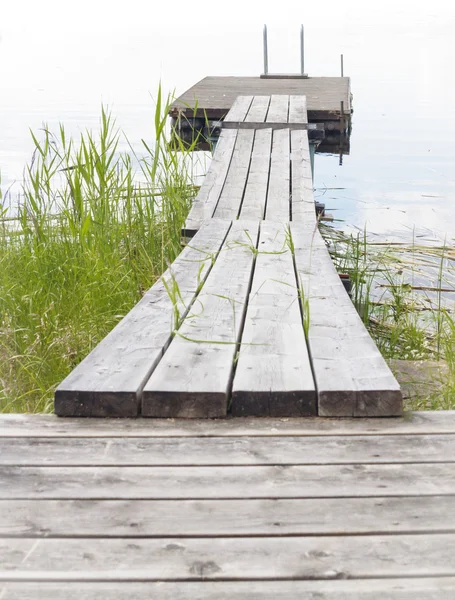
x=302, y=60
x=266, y=61
x=342, y=66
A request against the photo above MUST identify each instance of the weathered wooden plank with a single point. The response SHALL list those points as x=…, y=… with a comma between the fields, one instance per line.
x=174, y=559
x=280, y=481
x=231, y=197
x=302, y=205
x=297, y=109
x=209, y=518
x=39, y=425
x=433, y=588
x=258, y=110
x=193, y=379
x=278, y=196
x=253, y=205
x=273, y=375
x=278, y=109
x=209, y=194
x=239, y=109
x=311, y=128
x=109, y=381
x=352, y=377
x=177, y=451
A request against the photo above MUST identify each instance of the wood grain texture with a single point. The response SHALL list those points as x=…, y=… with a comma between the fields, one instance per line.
x=240, y=108
x=231, y=518
x=302, y=207
x=194, y=377
x=174, y=559
x=39, y=425
x=273, y=375
x=207, y=198
x=258, y=110
x=231, y=197
x=254, y=200
x=277, y=481
x=109, y=381
x=352, y=377
x=371, y=589
x=286, y=450
x=297, y=109
x=278, y=195
x=278, y=109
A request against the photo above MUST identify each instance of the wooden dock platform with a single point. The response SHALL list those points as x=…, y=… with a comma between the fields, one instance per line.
x=244, y=509
x=328, y=98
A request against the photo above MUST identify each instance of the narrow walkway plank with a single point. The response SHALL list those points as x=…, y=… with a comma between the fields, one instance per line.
x=352, y=377
x=303, y=208
x=36, y=426
x=227, y=450
x=109, y=381
x=230, y=201
x=205, y=202
x=273, y=375
x=278, y=196
x=239, y=109
x=253, y=206
x=174, y=559
x=278, y=109
x=297, y=109
x=231, y=518
x=278, y=481
x=193, y=378
x=258, y=110
x=371, y=589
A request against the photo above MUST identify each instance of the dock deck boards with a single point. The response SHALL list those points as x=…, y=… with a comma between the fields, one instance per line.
x=241, y=508
x=214, y=96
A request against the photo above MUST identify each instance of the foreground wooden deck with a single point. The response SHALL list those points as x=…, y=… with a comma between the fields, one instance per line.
x=270, y=509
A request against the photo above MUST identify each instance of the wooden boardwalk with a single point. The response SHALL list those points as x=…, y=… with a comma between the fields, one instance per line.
x=251, y=318
x=257, y=509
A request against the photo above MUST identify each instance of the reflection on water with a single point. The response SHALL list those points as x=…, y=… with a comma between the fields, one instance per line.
x=400, y=174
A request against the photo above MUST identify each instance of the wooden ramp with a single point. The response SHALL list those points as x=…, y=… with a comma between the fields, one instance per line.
x=273, y=509
x=252, y=318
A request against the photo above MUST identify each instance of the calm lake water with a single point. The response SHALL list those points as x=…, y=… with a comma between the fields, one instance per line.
x=58, y=66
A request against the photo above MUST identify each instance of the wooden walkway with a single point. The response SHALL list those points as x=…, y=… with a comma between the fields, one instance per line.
x=251, y=318
x=257, y=509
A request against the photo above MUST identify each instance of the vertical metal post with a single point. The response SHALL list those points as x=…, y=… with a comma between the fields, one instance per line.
x=302, y=52
x=342, y=66
x=266, y=59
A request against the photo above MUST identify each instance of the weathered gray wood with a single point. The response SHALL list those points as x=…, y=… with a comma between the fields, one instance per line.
x=35, y=426
x=311, y=128
x=297, y=109
x=209, y=194
x=174, y=559
x=281, y=481
x=194, y=451
x=302, y=207
x=258, y=110
x=239, y=109
x=434, y=588
x=278, y=195
x=376, y=589
x=253, y=206
x=278, y=109
x=209, y=518
x=193, y=379
x=228, y=206
x=109, y=381
x=273, y=375
x=352, y=377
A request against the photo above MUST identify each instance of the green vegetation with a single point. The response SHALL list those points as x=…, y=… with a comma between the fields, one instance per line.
x=94, y=230
x=405, y=295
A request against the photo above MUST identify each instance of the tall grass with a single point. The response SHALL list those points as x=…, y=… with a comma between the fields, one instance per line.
x=92, y=232
x=406, y=296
